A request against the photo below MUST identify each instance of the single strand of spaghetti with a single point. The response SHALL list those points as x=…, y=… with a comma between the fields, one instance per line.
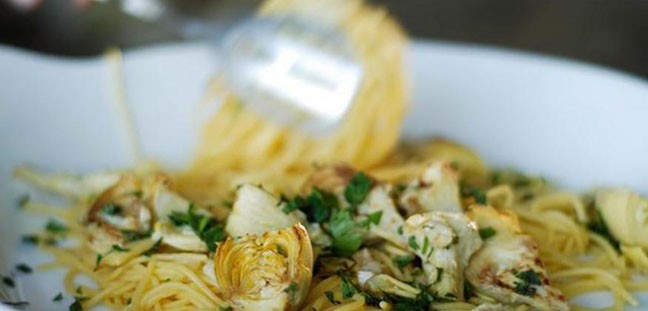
x=356, y=304
x=141, y=286
x=171, y=288
x=72, y=262
x=322, y=287
x=123, y=268
x=561, y=201
x=453, y=306
x=96, y=299
x=608, y=250
x=195, y=280
x=605, y=278
x=182, y=258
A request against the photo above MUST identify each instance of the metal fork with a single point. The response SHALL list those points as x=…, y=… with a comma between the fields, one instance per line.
x=294, y=71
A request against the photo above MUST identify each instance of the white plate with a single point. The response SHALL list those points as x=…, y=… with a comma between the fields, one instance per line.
x=577, y=124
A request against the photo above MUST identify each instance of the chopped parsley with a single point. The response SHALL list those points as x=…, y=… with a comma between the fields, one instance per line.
x=420, y=303
x=281, y=250
x=486, y=233
x=58, y=297
x=530, y=277
x=112, y=209
x=30, y=239
x=373, y=218
x=8, y=281
x=289, y=207
x=292, y=288
x=476, y=193
x=527, y=196
x=357, y=189
x=321, y=204
x=55, y=227
x=331, y=297
x=228, y=308
x=400, y=230
x=397, y=191
x=527, y=279
x=137, y=194
x=439, y=272
x=76, y=305
x=599, y=227
x=412, y=243
x=132, y=235
x=346, y=286
x=118, y=248
x=468, y=290
x=426, y=245
x=98, y=260
x=495, y=177
x=24, y=268
x=204, y=226
x=149, y=252
x=23, y=200
x=402, y=261
x=346, y=238
x=18, y=304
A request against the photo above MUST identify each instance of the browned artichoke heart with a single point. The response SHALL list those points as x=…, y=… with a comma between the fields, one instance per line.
x=118, y=214
x=437, y=189
x=508, y=268
x=271, y=272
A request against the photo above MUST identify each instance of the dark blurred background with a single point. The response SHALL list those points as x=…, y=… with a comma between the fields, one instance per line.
x=608, y=32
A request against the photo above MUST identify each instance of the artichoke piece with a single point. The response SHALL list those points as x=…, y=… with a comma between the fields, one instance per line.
x=435, y=190
x=380, y=206
x=69, y=185
x=625, y=214
x=268, y=272
x=118, y=215
x=491, y=307
x=384, y=284
x=256, y=211
x=508, y=268
x=433, y=240
x=377, y=210
x=365, y=266
x=182, y=237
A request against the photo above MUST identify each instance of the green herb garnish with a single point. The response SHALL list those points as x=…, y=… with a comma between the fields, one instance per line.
x=8, y=281
x=346, y=238
x=153, y=248
x=486, y=233
x=357, y=189
x=23, y=200
x=402, y=261
x=58, y=297
x=373, y=218
x=30, y=239
x=24, y=268
x=118, y=248
x=55, y=227
x=346, y=287
x=204, y=226
x=76, y=305
x=112, y=209
x=412, y=243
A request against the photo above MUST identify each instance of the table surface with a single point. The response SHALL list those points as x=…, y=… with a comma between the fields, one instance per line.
x=608, y=32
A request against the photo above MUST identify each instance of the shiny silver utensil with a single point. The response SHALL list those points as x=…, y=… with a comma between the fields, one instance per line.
x=296, y=72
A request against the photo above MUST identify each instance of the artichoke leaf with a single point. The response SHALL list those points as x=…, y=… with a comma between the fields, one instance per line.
x=256, y=211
